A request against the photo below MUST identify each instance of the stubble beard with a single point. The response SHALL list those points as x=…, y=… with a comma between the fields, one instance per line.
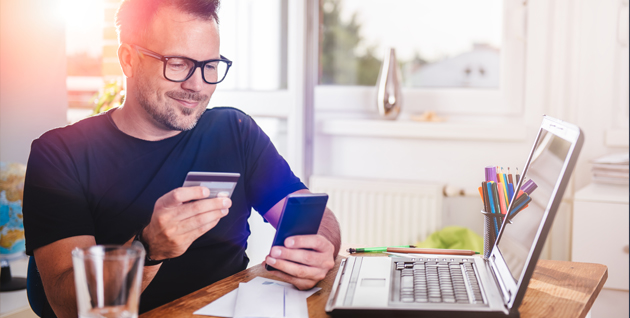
x=167, y=114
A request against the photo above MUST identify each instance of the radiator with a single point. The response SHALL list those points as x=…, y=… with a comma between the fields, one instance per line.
x=382, y=213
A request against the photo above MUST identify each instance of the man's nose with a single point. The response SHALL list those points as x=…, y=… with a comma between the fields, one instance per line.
x=195, y=83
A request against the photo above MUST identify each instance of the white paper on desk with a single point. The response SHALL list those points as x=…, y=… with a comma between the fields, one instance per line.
x=224, y=306
x=260, y=301
x=295, y=305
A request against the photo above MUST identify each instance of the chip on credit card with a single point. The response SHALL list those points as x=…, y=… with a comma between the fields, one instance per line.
x=217, y=182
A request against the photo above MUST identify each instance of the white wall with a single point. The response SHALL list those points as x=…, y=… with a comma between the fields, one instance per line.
x=572, y=56
x=597, y=85
x=32, y=74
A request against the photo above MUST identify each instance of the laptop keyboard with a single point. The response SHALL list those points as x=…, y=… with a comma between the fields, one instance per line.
x=438, y=280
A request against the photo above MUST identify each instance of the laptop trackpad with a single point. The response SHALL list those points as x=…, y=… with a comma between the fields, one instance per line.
x=373, y=288
x=373, y=282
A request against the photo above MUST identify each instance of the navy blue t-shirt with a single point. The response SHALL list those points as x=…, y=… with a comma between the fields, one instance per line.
x=90, y=178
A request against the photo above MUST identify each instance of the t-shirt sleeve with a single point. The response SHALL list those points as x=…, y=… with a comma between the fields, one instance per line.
x=55, y=206
x=269, y=178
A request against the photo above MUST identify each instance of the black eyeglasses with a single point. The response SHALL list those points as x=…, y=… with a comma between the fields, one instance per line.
x=180, y=69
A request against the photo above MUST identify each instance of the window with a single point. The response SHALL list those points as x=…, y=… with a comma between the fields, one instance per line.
x=84, y=47
x=454, y=43
x=455, y=56
x=254, y=35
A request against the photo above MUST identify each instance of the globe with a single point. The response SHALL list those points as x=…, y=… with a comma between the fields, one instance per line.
x=11, y=194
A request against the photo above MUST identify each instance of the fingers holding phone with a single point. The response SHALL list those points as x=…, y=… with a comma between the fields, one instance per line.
x=297, y=250
x=303, y=261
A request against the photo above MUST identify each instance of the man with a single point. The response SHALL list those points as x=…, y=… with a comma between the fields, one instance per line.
x=114, y=177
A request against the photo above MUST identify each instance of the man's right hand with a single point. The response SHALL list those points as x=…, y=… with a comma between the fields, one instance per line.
x=176, y=222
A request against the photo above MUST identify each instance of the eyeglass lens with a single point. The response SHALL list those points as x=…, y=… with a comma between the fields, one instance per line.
x=179, y=69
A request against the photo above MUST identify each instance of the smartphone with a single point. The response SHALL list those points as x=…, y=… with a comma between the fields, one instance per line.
x=217, y=182
x=301, y=215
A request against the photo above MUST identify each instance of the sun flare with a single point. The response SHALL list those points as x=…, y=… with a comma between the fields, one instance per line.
x=81, y=14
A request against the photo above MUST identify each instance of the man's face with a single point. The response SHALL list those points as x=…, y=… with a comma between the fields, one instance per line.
x=171, y=105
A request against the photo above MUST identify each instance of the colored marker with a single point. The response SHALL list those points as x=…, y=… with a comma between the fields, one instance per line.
x=520, y=206
x=491, y=173
x=529, y=186
x=505, y=186
x=491, y=198
x=502, y=200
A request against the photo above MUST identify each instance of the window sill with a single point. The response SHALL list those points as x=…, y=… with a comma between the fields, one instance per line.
x=421, y=130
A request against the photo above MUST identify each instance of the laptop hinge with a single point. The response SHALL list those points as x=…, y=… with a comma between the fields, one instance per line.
x=507, y=294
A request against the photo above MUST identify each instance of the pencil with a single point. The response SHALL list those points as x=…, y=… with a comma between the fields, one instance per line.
x=374, y=249
x=498, y=174
x=518, y=176
x=430, y=251
x=510, y=176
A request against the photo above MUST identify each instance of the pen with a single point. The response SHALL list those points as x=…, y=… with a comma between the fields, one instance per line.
x=430, y=251
x=375, y=249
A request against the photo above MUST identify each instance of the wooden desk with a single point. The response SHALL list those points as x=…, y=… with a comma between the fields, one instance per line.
x=557, y=289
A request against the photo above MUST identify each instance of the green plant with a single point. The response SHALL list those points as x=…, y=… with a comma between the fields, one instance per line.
x=111, y=95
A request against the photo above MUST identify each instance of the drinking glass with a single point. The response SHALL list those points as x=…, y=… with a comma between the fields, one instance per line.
x=108, y=280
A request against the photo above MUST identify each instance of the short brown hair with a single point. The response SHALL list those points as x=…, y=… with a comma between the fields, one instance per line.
x=134, y=16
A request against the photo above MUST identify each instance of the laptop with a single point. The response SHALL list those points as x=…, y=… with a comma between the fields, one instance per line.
x=470, y=286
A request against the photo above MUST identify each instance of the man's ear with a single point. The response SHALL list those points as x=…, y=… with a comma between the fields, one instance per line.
x=127, y=59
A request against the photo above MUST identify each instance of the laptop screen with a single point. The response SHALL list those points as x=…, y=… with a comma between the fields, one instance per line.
x=537, y=186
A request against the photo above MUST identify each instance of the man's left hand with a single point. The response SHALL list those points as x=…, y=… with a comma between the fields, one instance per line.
x=300, y=266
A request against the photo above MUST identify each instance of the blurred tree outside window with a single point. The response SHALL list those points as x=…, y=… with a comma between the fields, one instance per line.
x=439, y=44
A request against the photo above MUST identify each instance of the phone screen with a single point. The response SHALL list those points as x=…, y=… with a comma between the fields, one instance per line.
x=301, y=215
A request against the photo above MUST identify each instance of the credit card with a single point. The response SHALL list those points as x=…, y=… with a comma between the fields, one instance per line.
x=217, y=182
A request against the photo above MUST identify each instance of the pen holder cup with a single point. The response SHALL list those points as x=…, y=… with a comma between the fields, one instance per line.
x=491, y=225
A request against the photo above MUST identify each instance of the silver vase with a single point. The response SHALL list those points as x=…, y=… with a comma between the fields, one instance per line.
x=389, y=97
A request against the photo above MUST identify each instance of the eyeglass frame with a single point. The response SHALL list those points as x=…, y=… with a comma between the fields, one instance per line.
x=200, y=64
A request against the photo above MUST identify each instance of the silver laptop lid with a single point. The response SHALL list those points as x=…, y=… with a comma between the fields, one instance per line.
x=521, y=240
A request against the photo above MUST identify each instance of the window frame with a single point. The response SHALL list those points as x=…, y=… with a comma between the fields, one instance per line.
x=288, y=103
